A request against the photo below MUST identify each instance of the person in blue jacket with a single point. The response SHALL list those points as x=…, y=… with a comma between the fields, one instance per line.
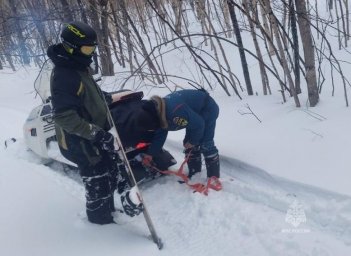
x=193, y=110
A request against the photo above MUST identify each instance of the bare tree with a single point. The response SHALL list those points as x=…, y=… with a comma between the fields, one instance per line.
x=241, y=47
x=308, y=49
x=249, y=7
x=296, y=48
x=141, y=34
x=19, y=31
x=66, y=11
x=96, y=14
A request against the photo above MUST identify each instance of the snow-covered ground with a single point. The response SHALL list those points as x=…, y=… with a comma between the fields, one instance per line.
x=295, y=163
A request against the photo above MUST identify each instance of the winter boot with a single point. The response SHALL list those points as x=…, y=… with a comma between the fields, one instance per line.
x=194, y=162
x=212, y=165
x=96, y=180
x=99, y=200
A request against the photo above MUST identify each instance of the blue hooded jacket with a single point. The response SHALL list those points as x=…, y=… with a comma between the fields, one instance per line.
x=193, y=110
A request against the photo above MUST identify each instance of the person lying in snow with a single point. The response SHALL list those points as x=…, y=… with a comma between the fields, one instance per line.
x=193, y=110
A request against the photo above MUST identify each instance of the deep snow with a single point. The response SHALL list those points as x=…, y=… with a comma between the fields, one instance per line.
x=42, y=210
x=295, y=163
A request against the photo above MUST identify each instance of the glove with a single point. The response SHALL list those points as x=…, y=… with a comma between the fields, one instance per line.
x=105, y=140
x=188, y=145
x=131, y=203
x=146, y=160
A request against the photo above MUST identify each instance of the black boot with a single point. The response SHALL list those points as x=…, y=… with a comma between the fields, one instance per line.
x=98, y=194
x=212, y=165
x=194, y=161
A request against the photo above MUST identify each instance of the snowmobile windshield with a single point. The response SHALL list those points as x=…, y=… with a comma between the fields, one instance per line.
x=42, y=82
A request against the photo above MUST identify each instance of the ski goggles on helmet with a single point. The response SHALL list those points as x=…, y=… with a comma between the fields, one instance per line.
x=87, y=49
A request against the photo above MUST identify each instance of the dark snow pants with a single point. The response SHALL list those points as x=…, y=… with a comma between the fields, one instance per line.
x=98, y=172
x=209, y=113
x=207, y=146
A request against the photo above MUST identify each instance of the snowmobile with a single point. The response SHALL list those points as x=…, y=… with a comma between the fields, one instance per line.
x=40, y=137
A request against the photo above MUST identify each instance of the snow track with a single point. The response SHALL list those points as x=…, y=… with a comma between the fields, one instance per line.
x=254, y=204
x=246, y=218
x=327, y=211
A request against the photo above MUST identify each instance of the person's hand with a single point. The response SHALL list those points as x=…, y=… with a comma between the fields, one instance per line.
x=105, y=140
x=146, y=160
x=188, y=145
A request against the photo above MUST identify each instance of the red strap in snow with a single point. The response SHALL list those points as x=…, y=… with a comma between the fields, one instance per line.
x=141, y=145
x=212, y=183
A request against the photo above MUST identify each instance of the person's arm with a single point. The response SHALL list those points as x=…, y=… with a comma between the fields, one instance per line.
x=66, y=102
x=71, y=122
x=157, y=142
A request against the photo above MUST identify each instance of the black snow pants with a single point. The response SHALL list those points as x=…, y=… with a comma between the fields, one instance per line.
x=99, y=175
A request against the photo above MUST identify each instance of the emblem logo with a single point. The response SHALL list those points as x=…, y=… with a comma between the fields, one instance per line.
x=75, y=31
x=295, y=214
x=180, y=121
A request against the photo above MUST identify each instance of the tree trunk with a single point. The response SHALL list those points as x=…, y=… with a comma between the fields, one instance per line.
x=66, y=10
x=118, y=34
x=143, y=49
x=177, y=9
x=337, y=24
x=295, y=46
x=36, y=8
x=200, y=6
x=267, y=30
x=82, y=11
x=248, y=6
x=343, y=23
x=347, y=18
x=102, y=35
x=308, y=48
x=18, y=30
x=330, y=4
x=105, y=54
x=240, y=46
x=226, y=17
x=283, y=60
x=126, y=32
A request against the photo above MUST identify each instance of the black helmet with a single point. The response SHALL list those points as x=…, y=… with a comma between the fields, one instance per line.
x=76, y=33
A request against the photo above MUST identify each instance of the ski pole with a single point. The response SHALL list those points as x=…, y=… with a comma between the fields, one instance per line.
x=122, y=154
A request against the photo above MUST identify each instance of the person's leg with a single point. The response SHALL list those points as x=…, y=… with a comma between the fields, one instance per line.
x=194, y=161
x=99, y=199
x=95, y=174
x=208, y=148
x=210, y=152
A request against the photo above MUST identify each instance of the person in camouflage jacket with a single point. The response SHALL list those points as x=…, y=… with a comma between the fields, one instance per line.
x=81, y=120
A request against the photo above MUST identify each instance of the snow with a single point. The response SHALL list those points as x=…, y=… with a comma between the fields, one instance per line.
x=287, y=162
x=41, y=215
x=294, y=156
x=306, y=145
